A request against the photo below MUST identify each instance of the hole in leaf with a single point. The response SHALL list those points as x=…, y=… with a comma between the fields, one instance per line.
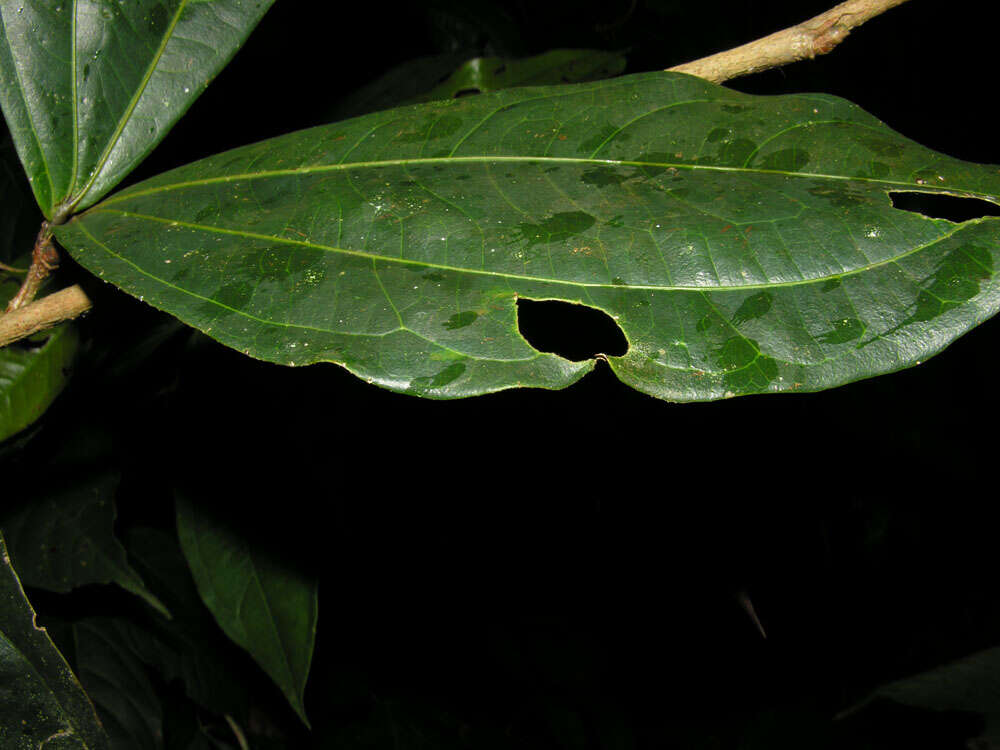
x=576, y=332
x=466, y=92
x=940, y=206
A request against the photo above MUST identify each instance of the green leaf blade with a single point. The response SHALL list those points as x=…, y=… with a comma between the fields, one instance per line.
x=744, y=244
x=65, y=539
x=262, y=605
x=89, y=88
x=31, y=377
x=41, y=702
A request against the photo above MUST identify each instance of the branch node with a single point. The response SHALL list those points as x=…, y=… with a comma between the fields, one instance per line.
x=44, y=260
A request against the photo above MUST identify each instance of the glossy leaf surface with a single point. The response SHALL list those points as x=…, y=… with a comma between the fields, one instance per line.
x=88, y=87
x=744, y=244
x=262, y=605
x=41, y=702
x=64, y=538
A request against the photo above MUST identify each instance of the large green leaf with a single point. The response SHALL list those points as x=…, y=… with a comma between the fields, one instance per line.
x=64, y=538
x=41, y=702
x=88, y=87
x=262, y=605
x=744, y=244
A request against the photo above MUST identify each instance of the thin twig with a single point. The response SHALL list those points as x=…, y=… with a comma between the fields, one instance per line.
x=817, y=36
x=744, y=599
x=44, y=260
x=11, y=269
x=240, y=737
x=50, y=310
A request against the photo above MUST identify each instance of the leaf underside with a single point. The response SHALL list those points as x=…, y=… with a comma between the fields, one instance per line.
x=89, y=87
x=744, y=244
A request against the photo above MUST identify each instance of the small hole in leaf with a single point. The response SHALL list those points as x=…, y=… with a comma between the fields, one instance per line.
x=940, y=206
x=576, y=332
x=466, y=92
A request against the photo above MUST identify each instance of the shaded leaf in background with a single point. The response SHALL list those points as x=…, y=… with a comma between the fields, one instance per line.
x=484, y=74
x=261, y=604
x=189, y=646
x=463, y=25
x=19, y=218
x=41, y=701
x=971, y=684
x=33, y=372
x=398, y=85
x=744, y=244
x=64, y=538
x=445, y=76
x=117, y=683
x=89, y=88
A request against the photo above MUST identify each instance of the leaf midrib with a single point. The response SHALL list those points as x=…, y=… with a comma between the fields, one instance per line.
x=535, y=279
x=271, y=322
x=74, y=200
x=485, y=159
x=29, y=115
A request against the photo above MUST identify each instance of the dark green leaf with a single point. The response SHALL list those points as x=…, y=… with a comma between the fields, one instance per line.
x=445, y=76
x=117, y=682
x=65, y=538
x=189, y=647
x=261, y=604
x=89, y=88
x=744, y=244
x=485, y=74
x=34, y=371
x=971, y=684
x=41, y=702
x=398, y=85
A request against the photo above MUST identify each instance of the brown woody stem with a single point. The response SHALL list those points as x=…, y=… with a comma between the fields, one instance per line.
x=817, y=36
x=44, y=313
x=44, y=260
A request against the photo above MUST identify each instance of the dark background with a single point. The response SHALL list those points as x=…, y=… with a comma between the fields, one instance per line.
x=561, y=569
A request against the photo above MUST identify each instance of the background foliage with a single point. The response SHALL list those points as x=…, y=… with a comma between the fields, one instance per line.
x=545, y=569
